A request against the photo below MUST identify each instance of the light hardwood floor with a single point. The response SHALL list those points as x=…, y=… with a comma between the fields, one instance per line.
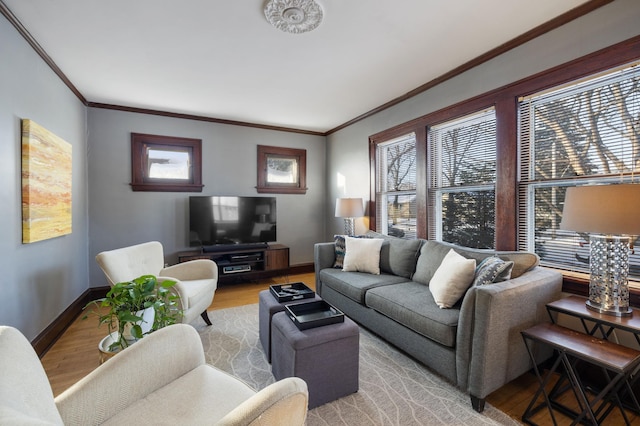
x=75, y=354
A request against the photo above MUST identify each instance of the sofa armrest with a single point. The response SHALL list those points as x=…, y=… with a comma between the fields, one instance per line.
x=324, y=256
x=490, y=350
x=137, y=371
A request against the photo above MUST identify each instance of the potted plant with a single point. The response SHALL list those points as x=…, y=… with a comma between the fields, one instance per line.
x=132, y=309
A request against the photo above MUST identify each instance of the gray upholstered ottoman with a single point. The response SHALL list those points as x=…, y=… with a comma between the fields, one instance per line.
x=325, y=357
x=267, y=306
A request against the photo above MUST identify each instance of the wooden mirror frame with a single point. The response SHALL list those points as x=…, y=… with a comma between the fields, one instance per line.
x=299, y=156
x=140, y=179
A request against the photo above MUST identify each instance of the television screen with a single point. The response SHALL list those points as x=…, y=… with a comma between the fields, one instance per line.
x=217, y=220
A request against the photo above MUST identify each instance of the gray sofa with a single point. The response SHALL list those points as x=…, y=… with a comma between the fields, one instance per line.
x=476, y=344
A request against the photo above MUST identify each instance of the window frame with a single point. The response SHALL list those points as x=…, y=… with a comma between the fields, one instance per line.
x=421, y=155
x=382, y=192
x=504, y=99
x=560, y=255
x=298, y=156
x=141, y=181
x=437, y=186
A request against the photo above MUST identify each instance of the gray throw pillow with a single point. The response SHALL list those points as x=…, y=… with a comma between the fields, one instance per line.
x=492, y=270
x=398, y=256
x=431, y=256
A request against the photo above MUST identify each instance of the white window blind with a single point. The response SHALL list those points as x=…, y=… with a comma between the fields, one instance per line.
x=583, y=133
x=396, y=187
x=462, y=180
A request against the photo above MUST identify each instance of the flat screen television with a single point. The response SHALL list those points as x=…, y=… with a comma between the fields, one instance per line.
x=217, y=222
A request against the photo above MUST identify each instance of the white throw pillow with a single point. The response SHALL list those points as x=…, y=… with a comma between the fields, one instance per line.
x=362, y=255
x=452, y=278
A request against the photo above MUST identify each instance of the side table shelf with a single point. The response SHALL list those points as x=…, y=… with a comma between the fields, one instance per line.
x=619, y=364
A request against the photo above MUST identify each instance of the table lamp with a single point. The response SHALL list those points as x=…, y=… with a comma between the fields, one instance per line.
x=262, y=210
x=348, y=208
x=609, y=213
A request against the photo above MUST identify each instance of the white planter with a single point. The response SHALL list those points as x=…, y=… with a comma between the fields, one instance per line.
x=104, y=344
x=148, y=316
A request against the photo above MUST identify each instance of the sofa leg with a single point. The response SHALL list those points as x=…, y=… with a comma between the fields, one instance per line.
x=477, y=403
x=205, y=317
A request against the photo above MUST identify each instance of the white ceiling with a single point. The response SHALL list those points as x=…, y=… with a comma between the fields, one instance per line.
x=222, y=59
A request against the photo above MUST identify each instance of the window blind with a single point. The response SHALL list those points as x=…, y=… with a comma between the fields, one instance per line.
x=396, y=187
x=462, y=180
x=587, y=132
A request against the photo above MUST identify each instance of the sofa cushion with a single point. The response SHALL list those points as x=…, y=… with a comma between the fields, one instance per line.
x=523, y=261
x=491, y=270
x=412, y=305
x=397, y=256
x=354, y=285
x=433, y=252
x=431, y=255
x=452, y=278
x=362, y=255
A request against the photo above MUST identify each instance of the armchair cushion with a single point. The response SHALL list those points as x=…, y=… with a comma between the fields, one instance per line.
x=131, y=262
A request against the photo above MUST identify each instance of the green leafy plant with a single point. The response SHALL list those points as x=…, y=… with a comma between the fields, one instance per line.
x=125, y=300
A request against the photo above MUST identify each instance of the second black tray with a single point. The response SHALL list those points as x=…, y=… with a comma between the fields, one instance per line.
x=314, y=314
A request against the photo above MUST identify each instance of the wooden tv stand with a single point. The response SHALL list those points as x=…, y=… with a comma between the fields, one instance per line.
x=244, y=263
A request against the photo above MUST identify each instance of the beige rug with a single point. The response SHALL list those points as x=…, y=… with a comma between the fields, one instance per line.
x=394, y=389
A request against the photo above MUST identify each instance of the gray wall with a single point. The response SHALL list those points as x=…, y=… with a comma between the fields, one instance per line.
x=120, y=216
x=39, y=280
x=347, y=150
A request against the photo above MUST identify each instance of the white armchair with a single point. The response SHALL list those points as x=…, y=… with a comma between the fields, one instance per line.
x=161, y=379
x=197, y=280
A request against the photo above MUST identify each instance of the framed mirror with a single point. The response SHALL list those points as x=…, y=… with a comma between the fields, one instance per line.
x=165, y=163
x=282, y=170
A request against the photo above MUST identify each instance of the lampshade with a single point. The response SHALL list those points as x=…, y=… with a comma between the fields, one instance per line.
x=263, y=209
x=349, y=207
x=602, y=209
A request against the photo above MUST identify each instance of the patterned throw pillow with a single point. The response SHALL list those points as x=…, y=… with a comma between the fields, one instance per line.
x=340, y=250
x=492, y=270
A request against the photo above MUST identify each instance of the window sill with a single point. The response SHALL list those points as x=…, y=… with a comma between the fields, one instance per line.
x=576, y=283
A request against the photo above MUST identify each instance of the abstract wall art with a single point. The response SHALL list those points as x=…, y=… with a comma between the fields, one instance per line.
x=46, y=184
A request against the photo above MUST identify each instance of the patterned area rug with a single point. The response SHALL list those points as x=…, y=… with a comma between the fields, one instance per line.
x=394, y=389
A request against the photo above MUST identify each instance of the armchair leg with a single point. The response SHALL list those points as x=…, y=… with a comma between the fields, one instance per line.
x=205, y=317
x=477, y=403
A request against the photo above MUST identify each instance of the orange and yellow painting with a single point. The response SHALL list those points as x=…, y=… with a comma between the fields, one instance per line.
x=46, y=184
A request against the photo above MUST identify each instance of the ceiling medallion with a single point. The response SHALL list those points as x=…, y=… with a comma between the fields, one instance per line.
x=293, y=16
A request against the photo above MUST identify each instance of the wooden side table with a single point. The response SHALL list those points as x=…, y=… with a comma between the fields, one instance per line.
x=618, y=363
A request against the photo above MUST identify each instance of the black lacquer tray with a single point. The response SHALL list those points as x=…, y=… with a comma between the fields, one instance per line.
x=313, y=314
x=289, y=292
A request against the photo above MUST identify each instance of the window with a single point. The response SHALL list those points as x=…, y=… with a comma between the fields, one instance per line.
x=282, y=170
x=463, y=175
x=396, y=187
x=584, y=133
x=165, y=163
